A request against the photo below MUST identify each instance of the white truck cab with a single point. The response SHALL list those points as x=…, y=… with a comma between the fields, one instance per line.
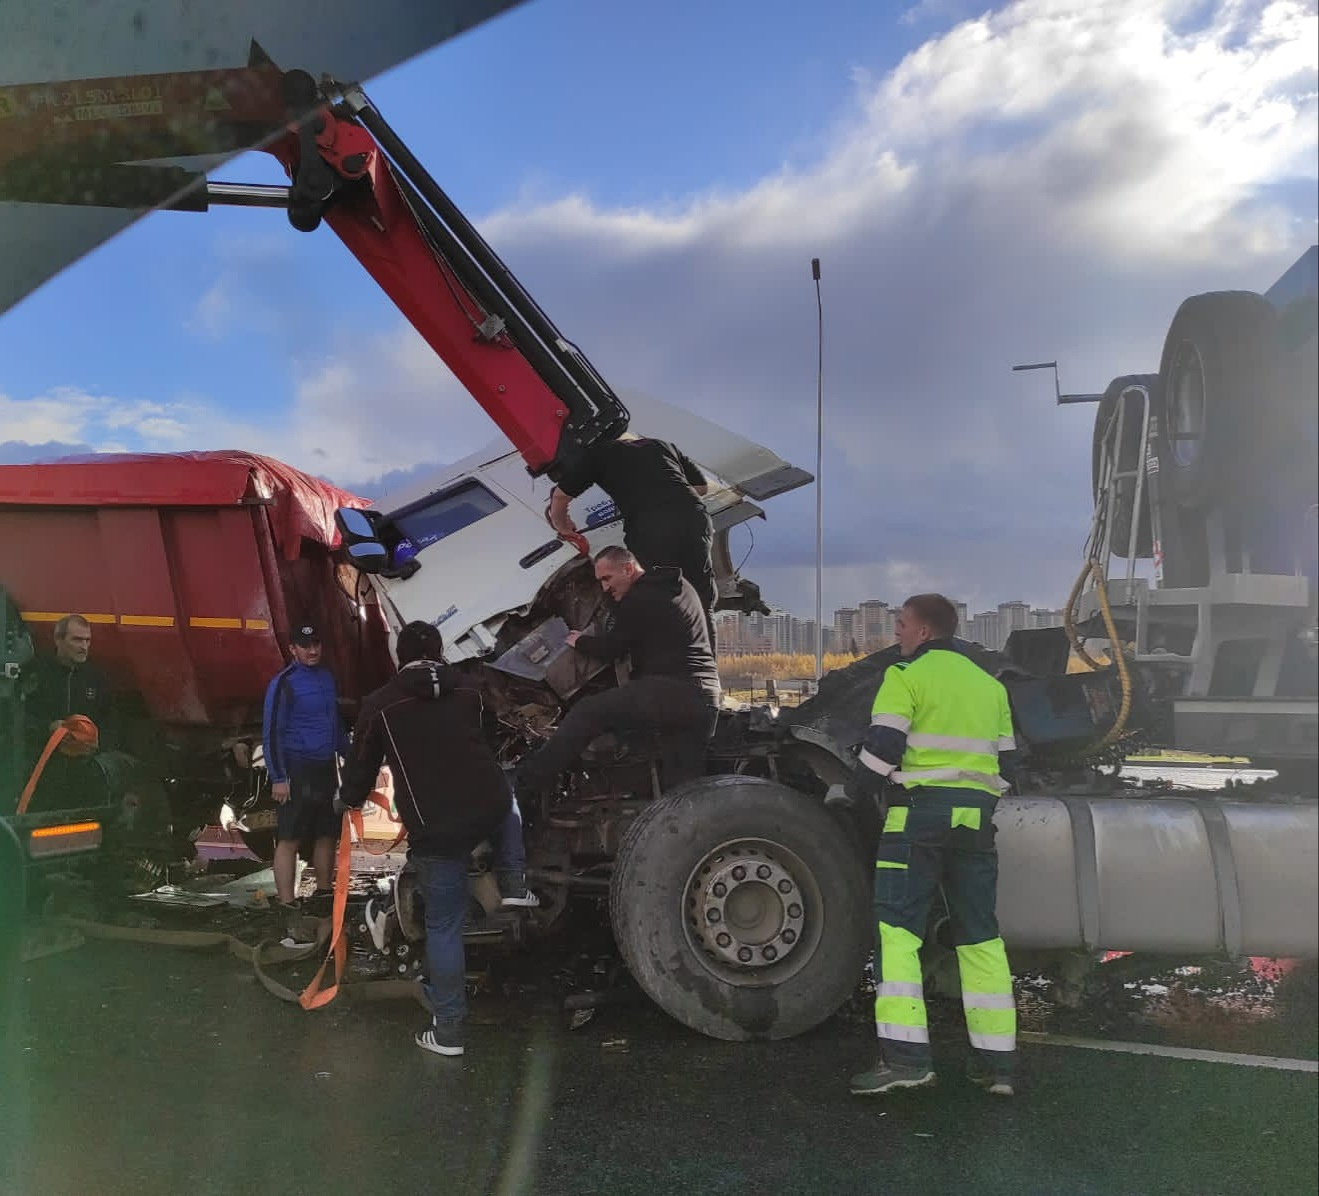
x=477, y=548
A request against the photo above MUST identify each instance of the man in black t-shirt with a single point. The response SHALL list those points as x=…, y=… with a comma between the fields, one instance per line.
x=657, y=489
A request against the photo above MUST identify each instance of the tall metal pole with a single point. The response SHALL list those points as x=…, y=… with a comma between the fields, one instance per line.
x=819, y=473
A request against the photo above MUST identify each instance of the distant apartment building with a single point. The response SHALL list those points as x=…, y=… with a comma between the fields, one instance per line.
x=731, y=633
x=1046, y=618
x=875, y=621
x=847, y=628
x=984, y=629
x=1013, y=616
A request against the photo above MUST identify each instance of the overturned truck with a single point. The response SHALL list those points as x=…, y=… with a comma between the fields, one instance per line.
x=739, y=902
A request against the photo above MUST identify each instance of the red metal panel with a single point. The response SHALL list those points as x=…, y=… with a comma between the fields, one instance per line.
x=150, y=637
x=189, y=600
x=219, y=585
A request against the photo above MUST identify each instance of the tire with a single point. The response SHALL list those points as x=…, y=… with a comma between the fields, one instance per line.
x=1217, y=380
x=678, y=871
x=1185, y=547
x=1128, y=457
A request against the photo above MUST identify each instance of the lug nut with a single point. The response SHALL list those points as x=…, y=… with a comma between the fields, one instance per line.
x=785, y=886
x=763, y=872
x=794, y=910
x=739, y=873
x=744, y=954
x=770, y=954
x=720, y=889
x=724, y=940
x=712, y=915
x=789, y=936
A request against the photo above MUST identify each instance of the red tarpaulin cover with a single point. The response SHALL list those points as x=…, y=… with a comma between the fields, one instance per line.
x=303, y=506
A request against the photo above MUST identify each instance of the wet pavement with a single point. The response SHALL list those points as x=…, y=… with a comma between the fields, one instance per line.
x=137, y=1069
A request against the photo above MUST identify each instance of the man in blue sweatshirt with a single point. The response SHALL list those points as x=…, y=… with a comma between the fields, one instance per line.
x=302, y=733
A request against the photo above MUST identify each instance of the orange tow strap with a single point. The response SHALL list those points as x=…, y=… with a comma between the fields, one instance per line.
x=314, y=996
x=75, y=736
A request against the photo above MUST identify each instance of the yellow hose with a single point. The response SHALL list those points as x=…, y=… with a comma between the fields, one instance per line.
x=1092, y=568
x=1069, y=623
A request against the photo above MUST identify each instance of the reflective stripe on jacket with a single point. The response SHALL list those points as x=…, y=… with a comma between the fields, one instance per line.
x=939, y=719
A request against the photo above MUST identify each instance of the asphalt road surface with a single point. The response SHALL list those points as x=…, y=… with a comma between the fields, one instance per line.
x=138, y=1069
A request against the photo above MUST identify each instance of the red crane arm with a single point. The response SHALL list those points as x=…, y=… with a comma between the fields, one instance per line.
x=85, y=142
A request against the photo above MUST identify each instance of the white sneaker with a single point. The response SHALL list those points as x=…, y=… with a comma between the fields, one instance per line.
x=447, y=1041
x=377, y=921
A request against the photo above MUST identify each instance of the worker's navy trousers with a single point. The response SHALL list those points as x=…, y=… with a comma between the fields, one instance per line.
x=943, y=841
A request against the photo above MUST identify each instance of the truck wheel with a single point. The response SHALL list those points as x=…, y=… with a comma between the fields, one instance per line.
x=1217, y=379
x=738, y=907
x=1185, y=547
x=1128, y=456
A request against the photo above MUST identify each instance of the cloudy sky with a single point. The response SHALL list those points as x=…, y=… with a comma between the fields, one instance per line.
x=1047, y=179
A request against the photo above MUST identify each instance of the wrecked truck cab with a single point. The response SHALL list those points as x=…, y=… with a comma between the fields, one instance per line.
x=735, y=899
x=470, y=546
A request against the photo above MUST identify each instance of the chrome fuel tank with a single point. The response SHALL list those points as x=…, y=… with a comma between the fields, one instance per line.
x=1169, y=874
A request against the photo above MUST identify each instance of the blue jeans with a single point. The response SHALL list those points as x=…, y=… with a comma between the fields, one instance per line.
x=443, y=884
x=510, y=853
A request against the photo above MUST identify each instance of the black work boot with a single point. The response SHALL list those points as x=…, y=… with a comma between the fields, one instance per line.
x=889, y=1077
x=996, y=1083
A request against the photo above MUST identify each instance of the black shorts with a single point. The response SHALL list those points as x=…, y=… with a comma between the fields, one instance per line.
x=309, y=814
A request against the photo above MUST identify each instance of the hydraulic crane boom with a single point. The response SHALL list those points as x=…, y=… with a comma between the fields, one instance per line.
x=348, y=168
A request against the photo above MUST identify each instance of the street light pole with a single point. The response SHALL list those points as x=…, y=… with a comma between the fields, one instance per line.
x=819, y=472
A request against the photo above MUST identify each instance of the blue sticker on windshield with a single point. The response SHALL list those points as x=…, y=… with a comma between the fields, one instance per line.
x=601, y=513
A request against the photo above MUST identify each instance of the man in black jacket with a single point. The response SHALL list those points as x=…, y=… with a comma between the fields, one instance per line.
x=450, y=793
x=660, y=622
x=658, y=490
x=55, y=688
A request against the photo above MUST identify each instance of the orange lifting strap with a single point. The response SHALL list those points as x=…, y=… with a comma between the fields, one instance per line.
x=75, y=736
x=314, y=996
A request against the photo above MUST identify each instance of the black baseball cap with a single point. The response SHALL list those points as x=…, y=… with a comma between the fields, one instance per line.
x=419, y=641
x=305, y=634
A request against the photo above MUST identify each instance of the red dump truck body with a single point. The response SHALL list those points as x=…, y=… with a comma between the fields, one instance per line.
x=191, y=567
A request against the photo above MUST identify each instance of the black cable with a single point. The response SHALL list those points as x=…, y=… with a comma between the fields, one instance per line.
x=750, y=548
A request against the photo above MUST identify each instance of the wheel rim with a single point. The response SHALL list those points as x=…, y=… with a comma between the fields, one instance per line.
x=753, y=912
x=1186, y=405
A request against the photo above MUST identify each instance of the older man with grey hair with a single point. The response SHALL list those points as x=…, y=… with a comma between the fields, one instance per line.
x=65, y=684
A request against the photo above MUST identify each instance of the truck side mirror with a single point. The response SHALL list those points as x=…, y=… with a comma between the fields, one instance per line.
x=354, y=525
x=369, y=556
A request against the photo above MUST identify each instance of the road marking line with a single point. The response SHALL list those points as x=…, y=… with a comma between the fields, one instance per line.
x=1171, y=1052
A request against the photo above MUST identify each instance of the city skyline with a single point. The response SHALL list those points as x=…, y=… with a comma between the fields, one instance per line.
x=867, y=627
